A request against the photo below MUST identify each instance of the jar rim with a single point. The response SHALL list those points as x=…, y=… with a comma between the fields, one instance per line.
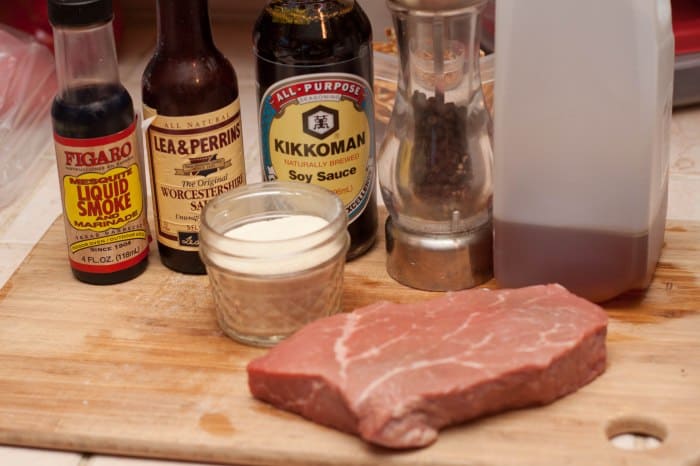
x=434, y=8
x=275, y=196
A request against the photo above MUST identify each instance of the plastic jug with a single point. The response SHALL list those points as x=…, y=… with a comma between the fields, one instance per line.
x=582, y=118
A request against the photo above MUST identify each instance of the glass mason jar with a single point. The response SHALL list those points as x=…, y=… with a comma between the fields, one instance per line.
x=275, y=254
x=435, y=163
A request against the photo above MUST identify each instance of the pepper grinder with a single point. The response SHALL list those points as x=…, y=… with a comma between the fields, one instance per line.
x=435, y=163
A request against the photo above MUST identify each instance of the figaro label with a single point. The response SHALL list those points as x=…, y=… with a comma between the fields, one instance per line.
x=103, y=201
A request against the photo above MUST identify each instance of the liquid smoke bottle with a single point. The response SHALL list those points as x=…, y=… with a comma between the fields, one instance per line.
x=97, y=150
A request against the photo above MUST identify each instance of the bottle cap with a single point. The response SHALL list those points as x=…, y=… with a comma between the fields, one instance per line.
x=78, y=13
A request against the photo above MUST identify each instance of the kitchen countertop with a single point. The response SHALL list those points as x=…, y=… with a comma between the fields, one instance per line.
x=23, y=223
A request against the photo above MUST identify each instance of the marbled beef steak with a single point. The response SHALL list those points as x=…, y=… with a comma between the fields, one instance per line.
x=396, y=373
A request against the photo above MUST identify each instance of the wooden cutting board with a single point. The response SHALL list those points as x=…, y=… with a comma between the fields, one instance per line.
x=142, y=369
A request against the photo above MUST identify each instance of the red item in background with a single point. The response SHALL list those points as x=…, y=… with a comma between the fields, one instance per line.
x=31, y=16
x=686, y=25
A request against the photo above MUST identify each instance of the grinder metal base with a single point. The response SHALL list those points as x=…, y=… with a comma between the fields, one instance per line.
x=440, y=262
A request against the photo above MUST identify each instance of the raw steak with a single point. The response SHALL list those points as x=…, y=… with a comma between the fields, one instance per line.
x=396, y=373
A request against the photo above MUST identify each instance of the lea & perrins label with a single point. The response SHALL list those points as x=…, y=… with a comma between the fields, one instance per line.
x=193, y=159
x=103, y=201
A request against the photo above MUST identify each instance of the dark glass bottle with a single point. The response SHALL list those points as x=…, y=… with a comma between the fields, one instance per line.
x=303, y=50
x=97, y=152
x=192, y=91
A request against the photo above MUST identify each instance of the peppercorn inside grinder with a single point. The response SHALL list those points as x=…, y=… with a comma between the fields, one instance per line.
x=435, y=163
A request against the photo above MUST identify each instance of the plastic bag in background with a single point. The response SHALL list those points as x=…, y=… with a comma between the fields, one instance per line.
x=27, y=87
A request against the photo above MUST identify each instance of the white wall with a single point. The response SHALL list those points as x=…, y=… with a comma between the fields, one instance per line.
x=379, y=15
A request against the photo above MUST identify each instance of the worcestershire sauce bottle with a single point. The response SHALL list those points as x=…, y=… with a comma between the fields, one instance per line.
x=316, y=113
x=97, y=150
x=194, y=141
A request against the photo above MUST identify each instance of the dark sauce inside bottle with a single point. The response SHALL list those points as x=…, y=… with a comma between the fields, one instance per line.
x=93, y=111
x=302, y=37
x=187, y=75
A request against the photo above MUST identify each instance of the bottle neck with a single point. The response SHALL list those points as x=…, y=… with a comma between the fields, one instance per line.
x=85, y=56
x=184, y=27
x=299, y=11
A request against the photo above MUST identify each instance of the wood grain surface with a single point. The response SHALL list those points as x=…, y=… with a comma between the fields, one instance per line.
x=142, y=369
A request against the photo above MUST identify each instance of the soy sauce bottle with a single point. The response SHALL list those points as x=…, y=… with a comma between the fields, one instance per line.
x=195, y=143
x=314, y=76
x=97, y=150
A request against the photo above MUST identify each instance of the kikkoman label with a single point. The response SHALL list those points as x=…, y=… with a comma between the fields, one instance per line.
x=193, y=159
x=103, y=201
x=319, y=129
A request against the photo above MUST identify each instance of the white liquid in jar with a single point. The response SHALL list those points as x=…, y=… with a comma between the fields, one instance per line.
x=277, y=245
x=279, y=228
